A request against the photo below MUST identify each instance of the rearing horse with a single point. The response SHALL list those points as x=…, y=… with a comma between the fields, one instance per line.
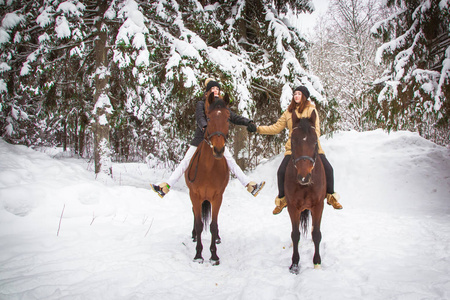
x=208, y=174
x=305, y=185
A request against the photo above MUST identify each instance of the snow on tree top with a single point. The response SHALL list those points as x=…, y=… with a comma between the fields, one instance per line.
x=11, y=20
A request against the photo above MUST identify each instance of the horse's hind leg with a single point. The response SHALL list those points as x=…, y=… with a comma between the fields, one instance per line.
x=194, y=234
x=218, y=239
x=295, y=235
x=215, y=239
x=316, y=214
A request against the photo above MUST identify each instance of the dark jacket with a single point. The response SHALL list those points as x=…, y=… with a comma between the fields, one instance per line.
x=200, y=116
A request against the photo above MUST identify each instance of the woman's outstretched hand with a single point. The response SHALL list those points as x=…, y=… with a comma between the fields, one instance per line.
x=251, y=127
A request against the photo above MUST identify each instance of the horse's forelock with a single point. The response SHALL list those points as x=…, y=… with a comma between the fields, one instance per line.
x=217, y=104
x=304, y=124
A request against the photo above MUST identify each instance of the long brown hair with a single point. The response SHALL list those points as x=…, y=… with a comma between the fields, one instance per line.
x=300, y=106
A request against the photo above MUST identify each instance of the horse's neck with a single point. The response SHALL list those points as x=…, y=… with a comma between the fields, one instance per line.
x=318, y=168
x=208, y=159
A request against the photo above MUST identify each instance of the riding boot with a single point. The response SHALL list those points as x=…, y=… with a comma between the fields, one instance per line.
x=254, y=188
x=332, y=199
x=161, y=189
x=280, y=204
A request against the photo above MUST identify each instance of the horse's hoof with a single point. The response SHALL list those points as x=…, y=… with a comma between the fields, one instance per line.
x=199, y=260
x=317, y=266
x=294, y=269
x=218, y=241
x=214, y=262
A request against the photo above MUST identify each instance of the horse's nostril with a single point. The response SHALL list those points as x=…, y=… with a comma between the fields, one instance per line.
x=219, y=152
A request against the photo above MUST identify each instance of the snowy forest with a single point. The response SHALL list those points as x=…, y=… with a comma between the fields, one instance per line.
x=118, y=80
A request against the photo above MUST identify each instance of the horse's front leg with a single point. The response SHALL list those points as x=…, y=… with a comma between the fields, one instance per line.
x=295, y=236
x=215, y=239
x=198, y=228
x=316, y=214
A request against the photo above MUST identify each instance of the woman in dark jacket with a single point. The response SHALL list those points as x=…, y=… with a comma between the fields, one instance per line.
x=211, y=87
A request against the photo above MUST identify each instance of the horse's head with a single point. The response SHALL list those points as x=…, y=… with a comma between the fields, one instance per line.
x=304, y=146
x=217, y=115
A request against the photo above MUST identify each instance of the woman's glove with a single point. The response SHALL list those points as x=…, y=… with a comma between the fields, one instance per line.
x=251, y=127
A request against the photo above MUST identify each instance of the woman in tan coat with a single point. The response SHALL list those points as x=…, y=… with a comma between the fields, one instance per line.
x=304, y=109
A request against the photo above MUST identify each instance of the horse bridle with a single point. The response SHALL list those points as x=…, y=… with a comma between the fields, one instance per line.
x=219, y=133
x=208, y=137
x=306, y=157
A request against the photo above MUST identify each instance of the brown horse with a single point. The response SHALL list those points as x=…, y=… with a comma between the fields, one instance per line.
x=208, y=175
x=305, y=186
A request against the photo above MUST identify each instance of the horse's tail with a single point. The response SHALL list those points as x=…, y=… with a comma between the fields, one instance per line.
x=304, y=221
x=206, y=214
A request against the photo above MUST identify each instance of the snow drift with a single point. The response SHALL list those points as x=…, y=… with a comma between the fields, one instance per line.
x=65, y=235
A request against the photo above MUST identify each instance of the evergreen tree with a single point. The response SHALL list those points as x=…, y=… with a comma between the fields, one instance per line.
x=17, y=92
x=132, y=72
x=415, y=87
x=250, y=47
x=63, y=68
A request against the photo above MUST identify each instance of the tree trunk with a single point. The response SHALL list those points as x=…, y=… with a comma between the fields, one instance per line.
x=103, y=108
x=82, y=134
x=238, y=145
x=64, y=137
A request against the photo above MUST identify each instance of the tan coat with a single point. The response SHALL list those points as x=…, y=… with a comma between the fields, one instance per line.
x=285, y=121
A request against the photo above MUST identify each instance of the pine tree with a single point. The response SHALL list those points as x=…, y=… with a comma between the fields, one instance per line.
x=64, y=52
x=132, y=72
x=251, y=48
x=415, y=87
x=17, y=97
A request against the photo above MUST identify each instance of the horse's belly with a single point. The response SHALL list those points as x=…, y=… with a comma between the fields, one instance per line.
x=210, y=183
x=212, y=188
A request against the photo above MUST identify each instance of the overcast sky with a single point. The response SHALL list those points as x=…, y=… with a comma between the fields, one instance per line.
x=306, y=22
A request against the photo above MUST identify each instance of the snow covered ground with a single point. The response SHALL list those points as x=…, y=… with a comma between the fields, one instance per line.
x=64, y=235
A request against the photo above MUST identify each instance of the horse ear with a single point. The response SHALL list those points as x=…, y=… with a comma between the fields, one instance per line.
x=295, y=119
x=211, y=98
x=313, y=118
x=226, y=98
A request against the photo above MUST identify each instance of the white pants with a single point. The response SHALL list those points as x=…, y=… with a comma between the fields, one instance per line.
x=184, y=164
